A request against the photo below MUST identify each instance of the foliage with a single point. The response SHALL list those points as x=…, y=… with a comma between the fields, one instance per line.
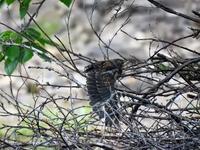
x=19, y=47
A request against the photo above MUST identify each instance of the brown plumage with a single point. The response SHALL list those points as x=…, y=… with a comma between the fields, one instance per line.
x=101, y=78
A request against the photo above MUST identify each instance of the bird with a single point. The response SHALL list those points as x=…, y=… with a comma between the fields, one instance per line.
x=101, y=77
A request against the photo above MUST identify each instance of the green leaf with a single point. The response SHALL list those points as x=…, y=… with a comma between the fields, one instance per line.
x=36, y=46
x=25, y=55
x=10, y=66
x=5, y=36
x=10, y=36
x=66, y=2
x=9, y=1
x=1, y=57
x=1, y=2
x=40, y=51
x=32, y=33
x=15, y=37
x=24, y=5
x=44, y=41
x=44, y=57
x=35, y=35
x=25, y=132
x=12, y=52
x=163, y=67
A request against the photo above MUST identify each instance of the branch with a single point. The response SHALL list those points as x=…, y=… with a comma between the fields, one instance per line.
x=169, y=10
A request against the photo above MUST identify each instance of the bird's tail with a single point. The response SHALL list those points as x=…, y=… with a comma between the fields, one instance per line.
x=108, y=111
x=103, y=98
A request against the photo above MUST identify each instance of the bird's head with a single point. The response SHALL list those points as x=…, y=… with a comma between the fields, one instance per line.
x=117, y=67
x=106, y=65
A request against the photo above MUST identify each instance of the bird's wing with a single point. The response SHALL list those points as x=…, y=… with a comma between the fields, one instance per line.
x=101, y=78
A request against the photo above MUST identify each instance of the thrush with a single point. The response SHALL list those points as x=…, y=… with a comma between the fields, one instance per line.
x=101, y=79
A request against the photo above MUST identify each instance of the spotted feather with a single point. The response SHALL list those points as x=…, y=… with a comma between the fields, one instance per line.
x=101, y=78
